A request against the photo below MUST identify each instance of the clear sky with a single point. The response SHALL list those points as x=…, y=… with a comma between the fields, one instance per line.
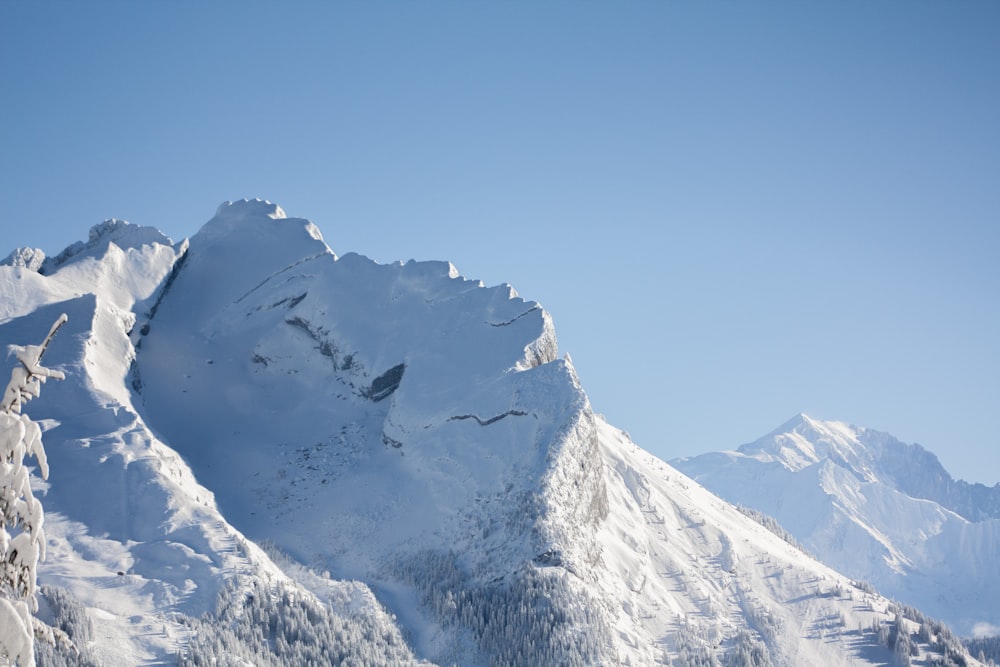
x=733, y=211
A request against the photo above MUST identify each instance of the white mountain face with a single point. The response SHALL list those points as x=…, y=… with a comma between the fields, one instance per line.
x=426, y=474
x=875, y=509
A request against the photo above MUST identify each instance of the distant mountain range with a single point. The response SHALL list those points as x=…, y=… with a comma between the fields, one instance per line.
x=874, y=508
x=267, y=454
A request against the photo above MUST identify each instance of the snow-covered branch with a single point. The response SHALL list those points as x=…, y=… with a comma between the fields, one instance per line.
x=26, y=378
x=22, y=537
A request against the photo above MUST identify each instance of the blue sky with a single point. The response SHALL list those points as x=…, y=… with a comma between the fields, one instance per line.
x=733, y=211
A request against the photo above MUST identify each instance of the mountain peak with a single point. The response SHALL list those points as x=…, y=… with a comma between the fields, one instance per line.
x=261, y=222
x=872, y=506
x=799, y=421
x=121, y=233
x=28, y=258
x=803, y=441
x=803, y=421
x=243, y=208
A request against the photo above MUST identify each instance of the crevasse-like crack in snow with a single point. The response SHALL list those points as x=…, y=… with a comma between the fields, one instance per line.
x=509, y=322
x=491, y=420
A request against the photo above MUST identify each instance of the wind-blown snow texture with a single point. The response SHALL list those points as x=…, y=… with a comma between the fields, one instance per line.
x=874, y=508
x=430, y=469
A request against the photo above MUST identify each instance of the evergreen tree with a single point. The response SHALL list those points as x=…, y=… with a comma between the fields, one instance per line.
x=22, y=538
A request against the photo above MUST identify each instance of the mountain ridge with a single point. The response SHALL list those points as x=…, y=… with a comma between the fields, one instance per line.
x=915, y=470
x=429, y=466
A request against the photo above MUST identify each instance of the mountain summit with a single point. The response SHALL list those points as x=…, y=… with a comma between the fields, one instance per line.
x=874, y=508
x=423, y=470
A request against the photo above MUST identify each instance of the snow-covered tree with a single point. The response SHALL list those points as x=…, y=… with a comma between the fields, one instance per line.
x=22, y=538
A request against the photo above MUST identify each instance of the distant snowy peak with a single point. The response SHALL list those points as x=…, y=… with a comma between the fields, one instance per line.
x=874, y=456
x=803, y=441
x=872, y=507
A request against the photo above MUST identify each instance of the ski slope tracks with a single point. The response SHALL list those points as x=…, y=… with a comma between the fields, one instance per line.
x=269, y=452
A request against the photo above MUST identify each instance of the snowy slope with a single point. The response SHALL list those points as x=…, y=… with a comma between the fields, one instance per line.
x=873, y=508
x=429, y=468
x=131, y=533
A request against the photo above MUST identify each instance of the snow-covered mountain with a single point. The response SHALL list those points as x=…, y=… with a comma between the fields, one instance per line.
x=875, y=509
x=424, y=472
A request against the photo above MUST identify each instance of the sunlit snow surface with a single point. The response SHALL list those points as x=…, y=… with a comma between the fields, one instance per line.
x=403, y=429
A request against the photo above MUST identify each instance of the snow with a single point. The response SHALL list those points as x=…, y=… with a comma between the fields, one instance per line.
x=15, y=631
x=833, y=486
x=27, y=258
x=396, y=429
x=688, y=560
x=118, y=233
x=308, y=334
